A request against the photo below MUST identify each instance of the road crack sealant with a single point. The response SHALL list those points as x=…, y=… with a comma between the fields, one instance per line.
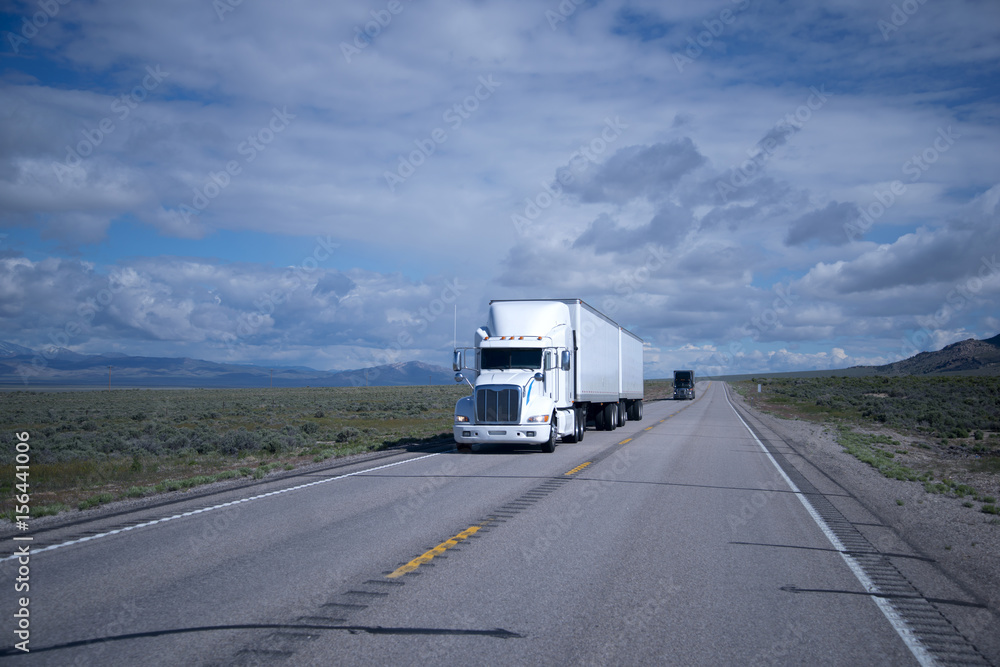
x=368, y=591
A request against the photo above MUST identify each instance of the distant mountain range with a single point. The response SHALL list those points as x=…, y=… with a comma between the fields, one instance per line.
x=967, y=357
x=62, y=367
x=21, y=367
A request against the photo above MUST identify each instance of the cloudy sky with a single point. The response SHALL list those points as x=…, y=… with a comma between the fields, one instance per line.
x=748, y=185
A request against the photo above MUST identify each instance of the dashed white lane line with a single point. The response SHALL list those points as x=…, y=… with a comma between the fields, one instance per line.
x=216, y=507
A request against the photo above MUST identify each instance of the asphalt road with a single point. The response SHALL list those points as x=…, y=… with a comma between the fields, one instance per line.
x=674, y=540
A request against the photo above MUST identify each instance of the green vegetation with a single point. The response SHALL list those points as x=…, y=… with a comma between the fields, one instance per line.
x=93, y=447
x=871, y=449
x=658, y=389
x=944, y=407
x=954, y=423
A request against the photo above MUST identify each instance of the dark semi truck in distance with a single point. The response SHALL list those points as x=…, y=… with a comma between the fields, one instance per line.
x=683, y=385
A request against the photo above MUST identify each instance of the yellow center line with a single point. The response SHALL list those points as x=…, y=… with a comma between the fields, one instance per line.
x=578, y=468
x=625, y=440
x=429, y=555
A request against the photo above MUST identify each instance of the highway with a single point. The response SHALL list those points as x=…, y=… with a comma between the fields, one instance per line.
x=677, y=539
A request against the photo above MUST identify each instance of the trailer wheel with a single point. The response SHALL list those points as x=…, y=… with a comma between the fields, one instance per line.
x=599, y=419
x=622, y=416
x=550, y=446
x=638, y=410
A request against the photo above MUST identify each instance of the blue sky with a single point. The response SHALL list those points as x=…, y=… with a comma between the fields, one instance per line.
x=747, y=185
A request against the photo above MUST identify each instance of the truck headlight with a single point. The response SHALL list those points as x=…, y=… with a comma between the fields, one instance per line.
x=461, y=419
x=544, y=419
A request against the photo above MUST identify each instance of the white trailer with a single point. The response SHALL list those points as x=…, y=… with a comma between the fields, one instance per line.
x=542, y=370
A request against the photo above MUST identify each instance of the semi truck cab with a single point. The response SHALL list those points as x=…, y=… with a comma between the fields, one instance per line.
x=540, y=369
x=683, y=385
x=520, y=382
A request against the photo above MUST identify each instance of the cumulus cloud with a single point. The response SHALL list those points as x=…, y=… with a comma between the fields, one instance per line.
x=702, y=206
x=237, y=312
x=651, y=172
x=826, y=224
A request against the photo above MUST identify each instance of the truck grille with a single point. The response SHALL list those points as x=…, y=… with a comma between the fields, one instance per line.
x=501, y=405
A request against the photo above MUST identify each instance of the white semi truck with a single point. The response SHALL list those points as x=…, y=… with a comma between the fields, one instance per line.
x=541, y=370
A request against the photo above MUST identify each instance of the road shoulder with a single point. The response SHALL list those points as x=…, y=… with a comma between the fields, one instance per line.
x=949, y=552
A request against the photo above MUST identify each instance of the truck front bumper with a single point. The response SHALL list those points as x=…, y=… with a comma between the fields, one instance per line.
x=472, y=434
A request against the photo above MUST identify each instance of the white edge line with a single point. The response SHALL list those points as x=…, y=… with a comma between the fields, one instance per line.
x=912, y=642
x=216, y=507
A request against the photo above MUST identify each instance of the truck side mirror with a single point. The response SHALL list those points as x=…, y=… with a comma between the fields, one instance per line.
x=459, y=377
x=565, y=361
x=456, y=362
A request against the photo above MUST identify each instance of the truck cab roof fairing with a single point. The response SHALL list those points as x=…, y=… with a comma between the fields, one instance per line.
x=527, y=318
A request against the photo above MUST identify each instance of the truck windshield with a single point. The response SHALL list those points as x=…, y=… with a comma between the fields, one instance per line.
x=507, y=358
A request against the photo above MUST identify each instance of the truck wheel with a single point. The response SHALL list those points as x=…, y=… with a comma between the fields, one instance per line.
x=550, y=446
x=622, y=417
x=572, y=437
x=599, y=419
x=610, y=416
x=579, y=424
x=638, y=410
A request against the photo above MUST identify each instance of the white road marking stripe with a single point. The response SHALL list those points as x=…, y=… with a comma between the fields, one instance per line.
x=216, y=507
x=912, y=642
